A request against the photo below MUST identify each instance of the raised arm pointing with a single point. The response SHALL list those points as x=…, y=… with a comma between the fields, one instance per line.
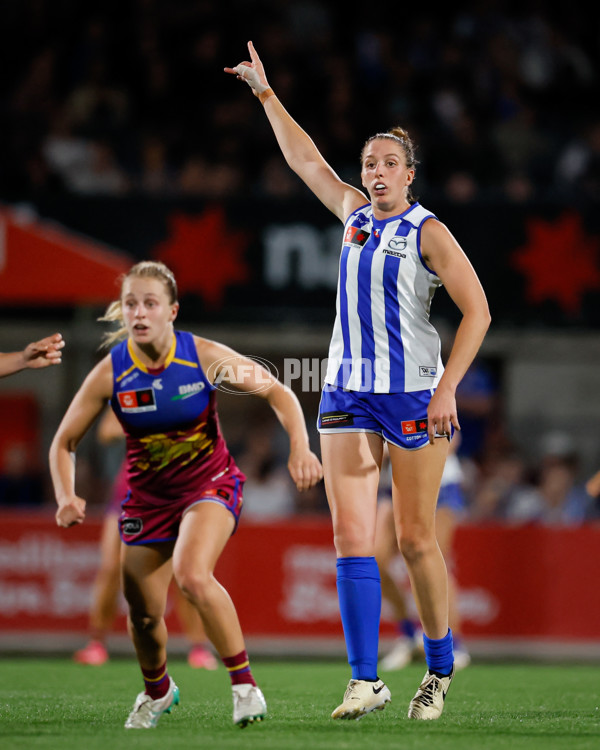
x=296, y=145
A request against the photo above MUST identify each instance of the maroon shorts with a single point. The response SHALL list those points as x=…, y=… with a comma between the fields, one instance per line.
x=142, y=523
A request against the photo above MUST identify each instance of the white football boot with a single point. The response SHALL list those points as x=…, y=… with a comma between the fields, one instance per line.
x=428, y=702
x=249, y=704
x=362, y=697
x=146, y=712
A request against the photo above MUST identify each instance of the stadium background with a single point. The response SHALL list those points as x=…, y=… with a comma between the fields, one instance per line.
x=123, y=139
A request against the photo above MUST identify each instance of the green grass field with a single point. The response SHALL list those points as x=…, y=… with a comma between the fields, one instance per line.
x=54, y=703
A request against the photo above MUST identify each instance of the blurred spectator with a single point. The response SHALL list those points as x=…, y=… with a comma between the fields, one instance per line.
x=518, y=188
x=200, y=178
x=550, y=492
x=101, y=174
x=523, y=143
x=268, y=491
x=194, y=176
x=477, y=400
x=503, y=490
x=461, y=187
x=578, y=165
x=564, y=497
x=156, y=174
x=97, y=108
x=463, y=155
x=65, y=152
x=277, y=181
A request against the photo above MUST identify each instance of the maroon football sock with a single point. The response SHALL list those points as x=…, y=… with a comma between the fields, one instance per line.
x=239, y=669
x=156, y=681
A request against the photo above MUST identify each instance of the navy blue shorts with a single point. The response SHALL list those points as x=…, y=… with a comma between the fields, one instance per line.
x=400, y=418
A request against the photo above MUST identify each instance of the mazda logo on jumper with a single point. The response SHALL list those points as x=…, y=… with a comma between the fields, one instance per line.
x=398, y=243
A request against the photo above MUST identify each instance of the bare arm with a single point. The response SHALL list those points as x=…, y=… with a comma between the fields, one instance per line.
x=224, y=365
x=38, y=354
x=88, y=402
x=296, y=145
x=444, y=255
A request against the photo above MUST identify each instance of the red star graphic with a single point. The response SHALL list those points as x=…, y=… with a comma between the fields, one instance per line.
x=205, y=256
x=560, y=262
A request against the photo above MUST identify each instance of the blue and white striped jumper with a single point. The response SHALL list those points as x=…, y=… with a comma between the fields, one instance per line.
x=382, y=339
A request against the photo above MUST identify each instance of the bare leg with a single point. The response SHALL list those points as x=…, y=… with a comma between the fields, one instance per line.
x=200, y=655
x=351, y=466
x=416, y=482
x=147, y=571
x=204, y=531
x=445, y=527
x=188, y=616
x=386, y=549
x=203, y=534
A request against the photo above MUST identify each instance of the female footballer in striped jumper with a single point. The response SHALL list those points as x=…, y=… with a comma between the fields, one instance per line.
x=385, y=382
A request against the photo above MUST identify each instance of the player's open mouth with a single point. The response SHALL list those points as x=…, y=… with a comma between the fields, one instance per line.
x=379, y=187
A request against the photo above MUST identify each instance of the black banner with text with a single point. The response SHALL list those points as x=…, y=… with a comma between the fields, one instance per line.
x=276, y=261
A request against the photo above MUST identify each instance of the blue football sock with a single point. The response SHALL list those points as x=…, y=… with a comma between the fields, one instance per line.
x=407, y=628
x=439, y=653
x=359, y=594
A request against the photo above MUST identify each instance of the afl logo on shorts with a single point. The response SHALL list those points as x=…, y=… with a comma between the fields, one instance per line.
x=131, y=526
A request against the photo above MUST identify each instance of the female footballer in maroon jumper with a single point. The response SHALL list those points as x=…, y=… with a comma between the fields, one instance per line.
x=185, y=490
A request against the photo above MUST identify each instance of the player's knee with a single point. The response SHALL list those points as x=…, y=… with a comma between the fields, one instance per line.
x=143, y=621
x=195, y=585
x=416, y=543
x=352, y=543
